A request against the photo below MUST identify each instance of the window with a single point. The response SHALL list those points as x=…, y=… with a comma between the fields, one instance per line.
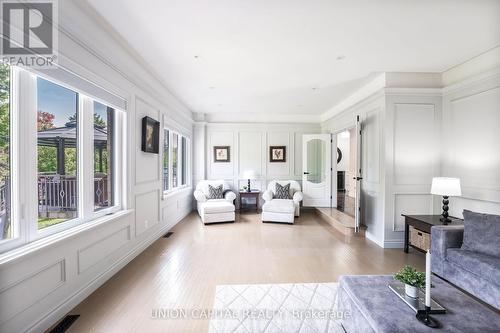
x=103, y=156
x=166, y=140
x=184, y=161
x=57, y=151
x=175, y=160
x=6, y=226
x=60, y=157
x=175, y=154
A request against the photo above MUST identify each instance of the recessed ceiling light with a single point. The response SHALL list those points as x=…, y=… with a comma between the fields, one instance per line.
x=341, y=57
x=211, y=88
x=314, y=88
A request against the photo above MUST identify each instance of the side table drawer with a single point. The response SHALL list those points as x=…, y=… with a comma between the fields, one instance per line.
x=420, y=239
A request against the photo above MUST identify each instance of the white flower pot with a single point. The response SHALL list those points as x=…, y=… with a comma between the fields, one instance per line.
x=411, y=291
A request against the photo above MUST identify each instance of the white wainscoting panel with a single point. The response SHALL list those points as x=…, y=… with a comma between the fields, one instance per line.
x=472, y=150
x=297, y=160
x=27, y=290
x=147, y=211
x=250, y=152
x=99, y=250
x=415, y=143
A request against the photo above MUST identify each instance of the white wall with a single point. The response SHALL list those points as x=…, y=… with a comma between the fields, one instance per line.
x=249, y=144
x=471, y=138
x=39, y=284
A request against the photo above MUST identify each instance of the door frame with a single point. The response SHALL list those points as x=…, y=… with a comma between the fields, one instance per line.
x=334, y=146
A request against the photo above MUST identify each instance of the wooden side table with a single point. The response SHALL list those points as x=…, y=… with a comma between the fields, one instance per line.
x=251, y=194
x=421, y=224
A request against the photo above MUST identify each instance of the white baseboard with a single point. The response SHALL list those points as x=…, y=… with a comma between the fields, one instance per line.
x=76, y=298
x=374, y=239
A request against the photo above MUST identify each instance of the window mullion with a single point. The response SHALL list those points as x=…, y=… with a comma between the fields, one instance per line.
x=188, y=162
x=179, y=160
x=85, y=157
x=27, y=172
x=119, y=156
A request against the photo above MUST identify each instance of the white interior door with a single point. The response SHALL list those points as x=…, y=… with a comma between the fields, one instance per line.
x=358, y=177
x=316, y=165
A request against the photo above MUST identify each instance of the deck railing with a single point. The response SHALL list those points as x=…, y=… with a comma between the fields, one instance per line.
x=59, y=193
x=57, y=196
x=4, y=208
x=3, y=197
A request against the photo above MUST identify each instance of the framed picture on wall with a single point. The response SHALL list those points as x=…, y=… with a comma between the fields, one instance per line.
x=277, y=154
x=150, y=140
x=222, y=154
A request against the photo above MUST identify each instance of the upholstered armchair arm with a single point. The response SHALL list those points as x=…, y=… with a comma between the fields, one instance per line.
x=444, y=237
x=230, y=196
x=200, y=196
x=297, y=197
x=267, y=195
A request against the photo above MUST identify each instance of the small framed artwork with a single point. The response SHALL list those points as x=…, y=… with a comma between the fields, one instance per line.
x=150, y=140
x=277, y=154
x=222, y=154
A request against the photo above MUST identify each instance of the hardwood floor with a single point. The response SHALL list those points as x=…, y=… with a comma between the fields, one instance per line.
x=183, y=270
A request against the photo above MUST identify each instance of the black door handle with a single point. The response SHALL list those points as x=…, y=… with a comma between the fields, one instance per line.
x=306, y=173
x=357, y=178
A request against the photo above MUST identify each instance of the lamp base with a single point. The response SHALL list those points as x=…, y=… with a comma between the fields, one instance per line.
x=444, y=214
x=424, y=317
x=445, y=220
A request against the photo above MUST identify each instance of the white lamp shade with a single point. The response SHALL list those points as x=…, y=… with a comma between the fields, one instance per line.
x=446, y=186
x=249, y=174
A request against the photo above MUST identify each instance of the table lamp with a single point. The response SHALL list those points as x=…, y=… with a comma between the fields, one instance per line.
x=249, y=174
x=447, y=187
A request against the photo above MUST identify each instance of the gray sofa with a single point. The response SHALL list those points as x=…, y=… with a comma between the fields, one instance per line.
x=469, y=255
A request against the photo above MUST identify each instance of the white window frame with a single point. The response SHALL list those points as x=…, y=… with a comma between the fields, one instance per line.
x=179, y=186
x=188, y=161
x=24, y=176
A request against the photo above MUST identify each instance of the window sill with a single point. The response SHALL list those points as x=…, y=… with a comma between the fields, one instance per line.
x=176, y=191
x=49, y=241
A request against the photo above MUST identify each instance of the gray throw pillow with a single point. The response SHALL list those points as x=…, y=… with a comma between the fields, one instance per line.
x=282, y=192
x=481, y=233
x=215, y=192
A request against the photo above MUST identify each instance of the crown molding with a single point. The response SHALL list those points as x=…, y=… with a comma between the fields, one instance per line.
x=493, y=74
x=413, y=91
x=227, y=117
x=361, y=94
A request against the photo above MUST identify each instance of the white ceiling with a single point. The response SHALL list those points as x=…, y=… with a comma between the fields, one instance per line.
x=271, y=56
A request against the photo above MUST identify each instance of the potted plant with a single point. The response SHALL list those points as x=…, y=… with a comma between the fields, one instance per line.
x=412, y=280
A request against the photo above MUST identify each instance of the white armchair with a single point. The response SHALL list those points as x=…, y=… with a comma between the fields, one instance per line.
x=281, y=210
x=214, y=210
